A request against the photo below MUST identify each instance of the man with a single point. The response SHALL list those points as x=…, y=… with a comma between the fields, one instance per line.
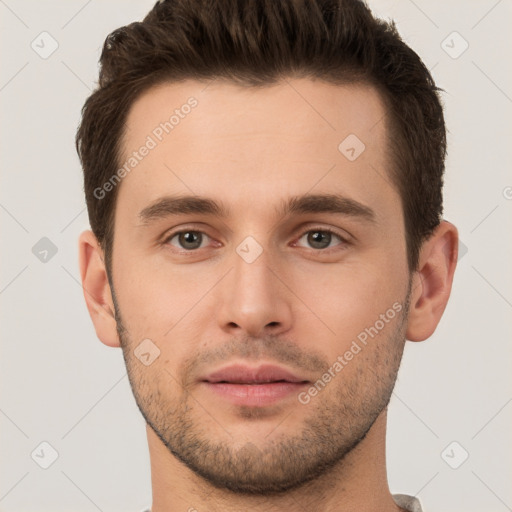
x=263, y=181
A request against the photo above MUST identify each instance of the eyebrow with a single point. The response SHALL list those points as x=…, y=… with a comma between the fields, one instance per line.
x=309, y=203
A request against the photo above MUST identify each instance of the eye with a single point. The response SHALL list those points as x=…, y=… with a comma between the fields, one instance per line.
x=322, y=238
x=188, y=239
x=191, y=240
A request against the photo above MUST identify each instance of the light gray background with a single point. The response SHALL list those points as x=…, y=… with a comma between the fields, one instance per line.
x=59, y=384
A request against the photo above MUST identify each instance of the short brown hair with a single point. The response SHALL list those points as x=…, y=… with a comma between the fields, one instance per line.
x=256, y=43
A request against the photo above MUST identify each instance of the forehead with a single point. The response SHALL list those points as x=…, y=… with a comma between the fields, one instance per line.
x=301, y=107
x=290, y=137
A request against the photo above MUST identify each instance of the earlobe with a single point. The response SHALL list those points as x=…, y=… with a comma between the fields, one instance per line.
x=432, y=282
x=96, y=288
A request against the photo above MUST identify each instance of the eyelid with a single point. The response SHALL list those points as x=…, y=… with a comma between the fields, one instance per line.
x=169, y=235
x=345, y=239
x=172, y=232
x=341, y=233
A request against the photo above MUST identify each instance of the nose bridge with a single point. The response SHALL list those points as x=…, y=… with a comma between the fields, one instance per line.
x=253, y=298
x=251, y=268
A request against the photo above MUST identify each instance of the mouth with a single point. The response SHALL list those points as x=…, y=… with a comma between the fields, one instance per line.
x=258, y=387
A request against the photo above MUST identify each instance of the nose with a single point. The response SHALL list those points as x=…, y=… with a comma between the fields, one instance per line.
x=255, y=299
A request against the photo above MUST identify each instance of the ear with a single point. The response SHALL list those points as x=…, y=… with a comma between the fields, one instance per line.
x=432, y=282
x=97, y=293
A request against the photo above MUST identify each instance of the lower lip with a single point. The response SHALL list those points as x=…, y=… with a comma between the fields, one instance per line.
x=255, y=394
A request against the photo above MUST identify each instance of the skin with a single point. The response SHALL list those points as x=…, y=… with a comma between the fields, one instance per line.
x=297, y=305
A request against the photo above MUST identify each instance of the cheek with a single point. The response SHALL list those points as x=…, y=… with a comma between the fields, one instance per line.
x=163, y=303
x=343, y=301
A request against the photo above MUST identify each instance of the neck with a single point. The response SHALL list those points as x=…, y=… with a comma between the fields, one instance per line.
x=359, y=482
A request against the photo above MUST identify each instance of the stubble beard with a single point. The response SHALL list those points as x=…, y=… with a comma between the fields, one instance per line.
x=338, y=420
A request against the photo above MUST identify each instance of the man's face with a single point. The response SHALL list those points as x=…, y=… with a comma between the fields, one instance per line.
x=260, y=285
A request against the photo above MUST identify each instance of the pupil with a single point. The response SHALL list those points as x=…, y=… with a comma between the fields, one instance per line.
x=316, y=239
x=190, y=237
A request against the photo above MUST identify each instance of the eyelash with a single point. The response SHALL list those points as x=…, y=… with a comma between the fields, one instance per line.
x=343, y=240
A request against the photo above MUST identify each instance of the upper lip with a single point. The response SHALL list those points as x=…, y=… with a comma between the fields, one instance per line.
x=240, y=374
